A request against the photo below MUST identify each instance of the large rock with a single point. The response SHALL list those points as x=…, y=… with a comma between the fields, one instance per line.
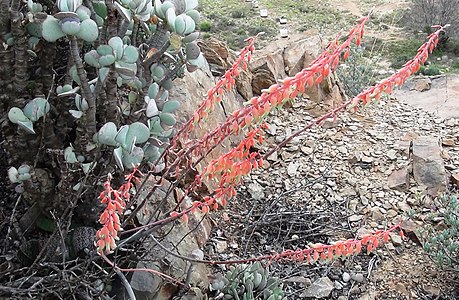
x=174, y=236
x=190, y=91
x=428, y=168
x=321, y=288
x=399, y=180
x=300, y=54
x=278, y=60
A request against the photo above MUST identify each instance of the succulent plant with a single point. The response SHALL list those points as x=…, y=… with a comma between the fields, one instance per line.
x=125, y=139
x=251, y=282
x=73, y=19
x=140, y=9
x=34, y=110
x=20, y=174
x=123, y=56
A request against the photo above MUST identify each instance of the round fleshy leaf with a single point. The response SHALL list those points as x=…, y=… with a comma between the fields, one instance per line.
x=168, y=84
x=190, y=37
x=24, y=169
x=138, y=130
x=13, y=175
x=199, y=62
x=167, y=118
x=152, y=108
x=100, y=8
x=194, y=14
x=118, y=154
x=88, y=31
x=36, y=109
x=170, y=16
x=70, y=156
x=121, y=135
x=107, y=134
x=191, y=4
x=70, y=27
x=92, y=58
x=153, y=90
x=164, y=96
x=76, y=113
x=27, y=126
x=16, y=115
x=134, y=158
x=157, y=8
x=103, y=72
x=34, y=29
x=74, y=74
x=192, y=51
x=151, y=151
x=106, y=60
x=130, y=54
x=24, y=177
x=81, y=103
x=164, y=7
x=105, y=50
x=126, y=70
x=190, y=25
x=117, y=45
x=180, y=25
x=155, y=125
x=158, y=72
x=83, y=12
x=170, y=106
x=51, y=29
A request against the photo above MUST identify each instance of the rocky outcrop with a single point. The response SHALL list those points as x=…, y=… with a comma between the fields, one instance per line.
x=428, y=166
x=278, y=60
x=175, y=237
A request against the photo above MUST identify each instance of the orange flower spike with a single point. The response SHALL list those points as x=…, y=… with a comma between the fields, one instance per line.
x=316, y=255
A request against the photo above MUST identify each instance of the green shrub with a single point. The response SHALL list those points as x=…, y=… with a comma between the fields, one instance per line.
x=357, y=72
x=240, y=12
x=205, y=26
x=431, y=70
x=443, y=245
x=251, y=281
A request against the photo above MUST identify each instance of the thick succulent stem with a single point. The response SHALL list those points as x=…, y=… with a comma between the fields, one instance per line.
x=46, y=66
x=20, y=49
x=111, y=108
x=158, y=44
x=4, y=16
x=110, y=26
x=135, y=31
x=90, y=124
x=6, y=75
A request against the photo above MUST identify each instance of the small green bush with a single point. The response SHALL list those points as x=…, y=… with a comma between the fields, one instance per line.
x=240, y=12
x=357, y=72
x=205, y=26
x=443, y=245
x=431, y=70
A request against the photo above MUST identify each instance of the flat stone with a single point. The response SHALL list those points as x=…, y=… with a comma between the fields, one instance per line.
x=399, y=180
x=376, y=214
x=432, y=290
x=423, y=84
x=396, y=239
x=455, y=179
x=391, y=154
x=221, y=246
x=448, y=142
x=428, y=167
x=321, y=288
x=256, y=191
x=355, y=218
